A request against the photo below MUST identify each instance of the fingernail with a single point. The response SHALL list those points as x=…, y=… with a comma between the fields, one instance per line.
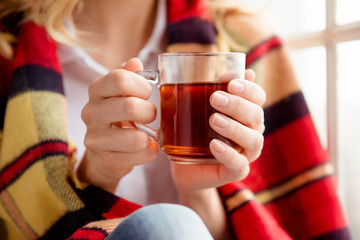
x=220, y=121
x=218, y=146
x=235, y=86
x=219, y=100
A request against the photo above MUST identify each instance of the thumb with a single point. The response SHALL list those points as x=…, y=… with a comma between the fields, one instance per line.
x=133, y=65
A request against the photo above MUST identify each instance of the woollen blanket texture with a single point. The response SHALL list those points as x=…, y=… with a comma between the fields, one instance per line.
x=290, y=193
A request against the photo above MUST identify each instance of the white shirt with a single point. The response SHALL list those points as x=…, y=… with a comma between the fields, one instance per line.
x=145, y=184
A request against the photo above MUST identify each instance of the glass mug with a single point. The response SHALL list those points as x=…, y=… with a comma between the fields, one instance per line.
x=186, y=82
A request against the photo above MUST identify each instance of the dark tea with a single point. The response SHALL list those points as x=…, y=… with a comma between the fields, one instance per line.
x=185, y=113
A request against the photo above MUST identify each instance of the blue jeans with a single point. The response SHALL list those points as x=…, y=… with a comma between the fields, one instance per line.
x=161, y=221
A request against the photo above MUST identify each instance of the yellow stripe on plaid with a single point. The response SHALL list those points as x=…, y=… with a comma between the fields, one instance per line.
x=271, y=194
x=238, y=199
x=50, y=115
x=12, y=229
x=299, y=180
x=15, y=138
x=39, y=211
x=16, y=223
x=57, y=171
x=108, y=225
x=22, y=130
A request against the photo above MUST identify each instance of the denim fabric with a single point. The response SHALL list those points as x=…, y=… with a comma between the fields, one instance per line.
x=161, y=221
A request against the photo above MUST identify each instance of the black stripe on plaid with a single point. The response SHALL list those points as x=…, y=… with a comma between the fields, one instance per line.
x=240, y=206
x=192, y=30
x=34, y=77
x=231, y=194
x=97, y=200
x=262, y=48
x=3, y=102
x=339, y=234
x=284, y=112
x=69, y=223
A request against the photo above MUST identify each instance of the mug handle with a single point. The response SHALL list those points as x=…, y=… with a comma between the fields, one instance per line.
x=153, y=77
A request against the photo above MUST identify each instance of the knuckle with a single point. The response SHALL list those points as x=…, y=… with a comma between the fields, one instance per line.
x=85, y=115
x=259, y=142
x=259, y=116
x=262, y=128
x=120, y=81
x=239, y=105
x=140, y=140
x=256, y=156
x=262, y=97
x=257, y=146
x=238, y=130
x=90, y=141
x=258, y=94
x=154, y=111
x=242, y=171
x=131, y=107
x=147, y=90
x=146, y=113
x=93, y=89
x=88, y=113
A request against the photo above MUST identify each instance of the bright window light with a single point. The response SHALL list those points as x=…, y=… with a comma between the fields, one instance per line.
x=349, y=130
x=347, y=11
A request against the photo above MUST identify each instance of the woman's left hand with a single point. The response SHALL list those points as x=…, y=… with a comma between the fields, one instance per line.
x=241, y=119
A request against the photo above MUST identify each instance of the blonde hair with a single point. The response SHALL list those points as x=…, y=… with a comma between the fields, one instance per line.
x=55, y=16
x=52, y=14
x=219, y=10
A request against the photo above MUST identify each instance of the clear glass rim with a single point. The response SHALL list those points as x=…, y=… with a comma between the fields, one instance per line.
x=201, y=54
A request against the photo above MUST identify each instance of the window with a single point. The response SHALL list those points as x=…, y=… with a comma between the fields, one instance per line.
x=348, y=121
x=324, y=38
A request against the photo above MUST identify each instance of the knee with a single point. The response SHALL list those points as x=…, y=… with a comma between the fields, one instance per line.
x=166, y=211
x=165, y=221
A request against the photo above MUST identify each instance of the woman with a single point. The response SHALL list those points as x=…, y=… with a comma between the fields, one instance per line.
x=111, y=33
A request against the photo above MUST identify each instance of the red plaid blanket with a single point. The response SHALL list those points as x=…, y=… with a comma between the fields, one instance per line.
x=290, y=192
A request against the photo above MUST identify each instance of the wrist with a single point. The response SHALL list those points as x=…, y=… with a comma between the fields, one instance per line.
x=208, y=205
x=92, y=172
x=194, y=197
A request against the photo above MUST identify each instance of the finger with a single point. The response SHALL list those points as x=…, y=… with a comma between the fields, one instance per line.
x=117, y=139
x=118, y=109
x=120, y=82
x=240, y=109
x=250, y=140
x=236, y=166
x=248, y=90
x=227, y=77
x=134, y=65
x=120, y=160
x=250, y=75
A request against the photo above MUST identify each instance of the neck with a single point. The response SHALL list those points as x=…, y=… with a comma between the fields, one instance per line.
x=118, y=29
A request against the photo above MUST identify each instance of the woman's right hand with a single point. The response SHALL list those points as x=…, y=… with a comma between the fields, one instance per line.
x=113, y=146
